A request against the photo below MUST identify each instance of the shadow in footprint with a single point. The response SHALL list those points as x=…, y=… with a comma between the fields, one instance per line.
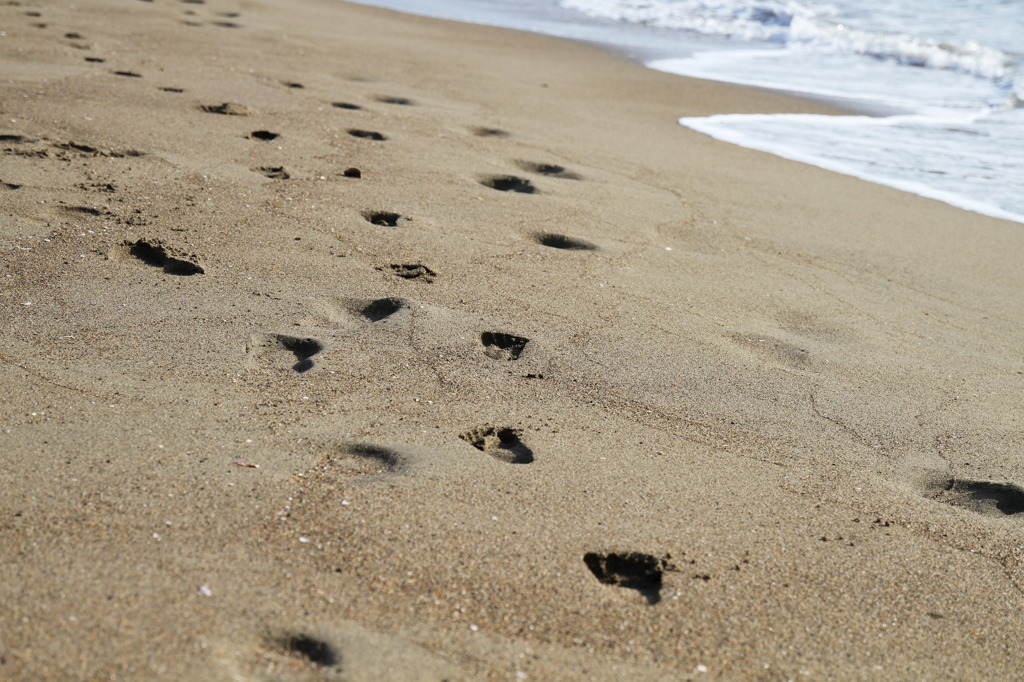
x=509, y=183
x=402, y=101
x=564, y=242
x=501, y=443
x=346, y=105
x=376, y=459
x=367, y=134
x=128, y=74
x=154, y=254
x=489, y=132
x=382, y=308
x=633, y=570
x=264, y=135
x=549, y=169
x=274, y=172
x=382, y=218
x=309, y=649
x=304, y=349
x=982, y=497
x=503, y=346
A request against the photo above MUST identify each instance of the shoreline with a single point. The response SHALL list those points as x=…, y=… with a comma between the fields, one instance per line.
x=348, y=344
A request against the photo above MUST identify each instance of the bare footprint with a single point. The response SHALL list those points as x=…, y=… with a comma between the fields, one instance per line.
x=383, y=218
x=275, y=348
x=501, y=443
x=228, y=109
x=564, y=242
x=367, y=134
x=413, y=271
x=381, y=309
x=508, y=183
x=549, y=169
x=503, y=346
x=155, y=254
x=981, y=497
x=633, y=570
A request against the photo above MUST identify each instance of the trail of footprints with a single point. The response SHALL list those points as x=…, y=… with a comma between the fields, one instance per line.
x=637, y=571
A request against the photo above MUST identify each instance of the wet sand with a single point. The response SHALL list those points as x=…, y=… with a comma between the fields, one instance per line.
x=343, y=344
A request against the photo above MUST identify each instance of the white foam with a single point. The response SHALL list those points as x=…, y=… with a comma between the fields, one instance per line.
x=891, y=151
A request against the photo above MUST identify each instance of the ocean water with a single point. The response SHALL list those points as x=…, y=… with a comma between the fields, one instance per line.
x=940, y=82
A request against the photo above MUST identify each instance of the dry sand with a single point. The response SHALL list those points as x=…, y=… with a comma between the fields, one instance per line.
x=775, y=409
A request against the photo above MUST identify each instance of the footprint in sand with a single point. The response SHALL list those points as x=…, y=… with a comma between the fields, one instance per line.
x=381, y=309
x=228, y=109
x=383, y=218
x=367, y=134
x=263, y=135
x=283, y=348
x=489, y=132
x=503, y=346
x=509, y=183
x=401, y=101
x=501, y=443
x=155, y=254
x=549, y=169
x=561, y=241
x=274, y=172
x=346, y=105
x=982, y=497
x=771, y=348
x=307, y=649
x=128, y=74
x=413, y=271
x=633, y=570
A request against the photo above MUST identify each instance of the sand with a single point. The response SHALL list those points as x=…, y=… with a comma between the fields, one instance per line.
x=684, y=411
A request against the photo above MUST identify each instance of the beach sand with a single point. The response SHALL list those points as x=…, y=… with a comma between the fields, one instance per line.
x=685, y=410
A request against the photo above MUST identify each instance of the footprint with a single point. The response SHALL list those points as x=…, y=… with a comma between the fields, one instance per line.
x=561, y=241
x=304, y=349
x=489, y=132
x=155, y=255
x=382, y=308
x=264, y=135
x=366, y=134
x=128, y=74
x=382, y=218
x=346, y=105
x=549, y=169
x=402, y=101
x=416, y=271
x=633, y=570
x=982, y=497
x=503, y=346
x=226, y=24
x=274, y=172
x=9, y=185
x=509, y=183
x=775, y=349
x=228, y=109
x=293, y=85
x=308, y=649
x=501, y=443
x=374, y=459
x=95, y=60
x=177, y=90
